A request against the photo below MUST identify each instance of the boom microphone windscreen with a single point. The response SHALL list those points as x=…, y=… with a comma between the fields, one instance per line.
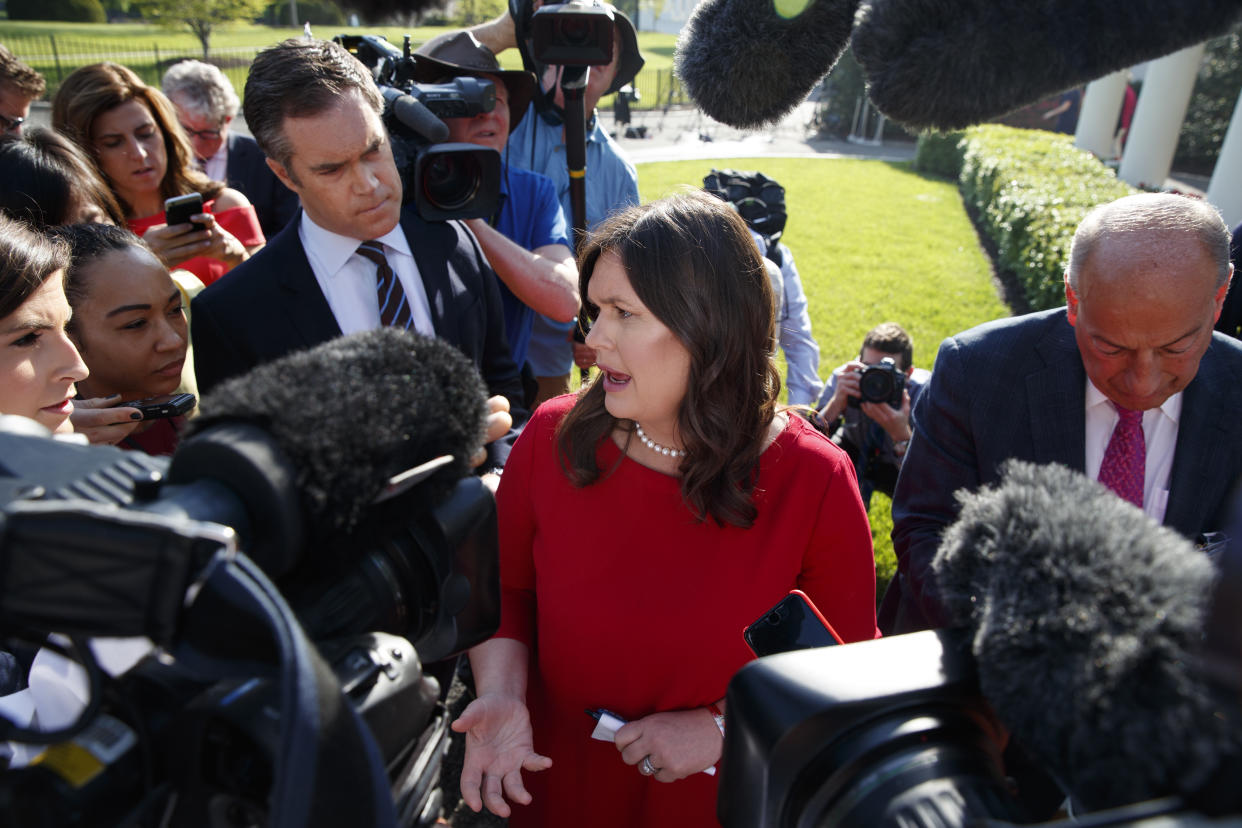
x=746, y=64
x=947, y=64
x=1086, y=616
x=354, y=412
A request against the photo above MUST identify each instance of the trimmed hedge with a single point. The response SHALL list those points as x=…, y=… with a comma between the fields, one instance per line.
x=1029, y=189
x=940, y=154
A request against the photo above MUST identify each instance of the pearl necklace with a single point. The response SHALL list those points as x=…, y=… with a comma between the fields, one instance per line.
x=656, y=447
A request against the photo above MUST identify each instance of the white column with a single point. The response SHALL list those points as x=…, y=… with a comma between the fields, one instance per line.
x=1101, y=107
x=1158, y=118
x=1225, y=189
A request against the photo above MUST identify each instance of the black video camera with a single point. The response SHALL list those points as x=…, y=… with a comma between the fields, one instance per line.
x=95, y=541
x=573, y=33
x=443, y=180
x=880, y=383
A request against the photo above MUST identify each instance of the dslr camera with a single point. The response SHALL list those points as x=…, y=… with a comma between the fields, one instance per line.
x=884, y=382
x=574, y=33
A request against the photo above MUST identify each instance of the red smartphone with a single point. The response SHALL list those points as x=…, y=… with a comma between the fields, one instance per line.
x=794, y=623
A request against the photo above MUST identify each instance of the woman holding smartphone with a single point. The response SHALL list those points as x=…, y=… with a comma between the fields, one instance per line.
x=131, y=131
x=697, y=505
x=128, y=323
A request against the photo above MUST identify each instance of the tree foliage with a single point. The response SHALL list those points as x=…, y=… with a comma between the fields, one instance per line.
x=1212, y=103
x=201, y=17
x=72, y=11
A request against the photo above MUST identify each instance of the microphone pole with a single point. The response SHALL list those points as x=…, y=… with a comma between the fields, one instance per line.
x=573, y=86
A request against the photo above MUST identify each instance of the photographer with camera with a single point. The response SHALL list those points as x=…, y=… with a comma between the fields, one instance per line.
x=355, y=260
x=865, y=407
x=538, y=143
x=527, y=240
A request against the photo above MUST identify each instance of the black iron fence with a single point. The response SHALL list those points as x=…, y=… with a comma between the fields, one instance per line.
x=58, y=55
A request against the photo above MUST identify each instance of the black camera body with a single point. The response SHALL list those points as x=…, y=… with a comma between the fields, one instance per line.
x=882, y=383
x=443, y=180
x=95, y=541
x=574, y=33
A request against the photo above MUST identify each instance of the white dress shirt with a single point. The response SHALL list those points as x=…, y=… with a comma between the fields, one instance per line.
x=348, y=280
x=217, y=166
x=1159, y=435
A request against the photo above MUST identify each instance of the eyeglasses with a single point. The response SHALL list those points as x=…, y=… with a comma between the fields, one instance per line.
x=11, y=124
x=204, y=134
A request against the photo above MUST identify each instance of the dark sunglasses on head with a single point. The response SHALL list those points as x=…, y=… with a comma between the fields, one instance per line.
x=11, y=124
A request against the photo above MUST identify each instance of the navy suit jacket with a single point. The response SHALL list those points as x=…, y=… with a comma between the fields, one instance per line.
x=1016, y=388
x=246, y=170
x=271, y=305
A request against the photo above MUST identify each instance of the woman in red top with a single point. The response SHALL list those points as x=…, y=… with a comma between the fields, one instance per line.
x=128, y=323
x=644, y=525
x=130, y=130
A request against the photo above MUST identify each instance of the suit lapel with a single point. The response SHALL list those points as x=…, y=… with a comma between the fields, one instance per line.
x=305, y=308
x=1202, y=459
x=1057, y=391
x=433, y=269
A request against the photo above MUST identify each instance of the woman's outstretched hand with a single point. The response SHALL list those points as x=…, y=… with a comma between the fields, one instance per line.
x=498, y=748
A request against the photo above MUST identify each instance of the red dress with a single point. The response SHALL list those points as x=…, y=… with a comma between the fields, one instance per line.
x=628, y=604
x=240, y=221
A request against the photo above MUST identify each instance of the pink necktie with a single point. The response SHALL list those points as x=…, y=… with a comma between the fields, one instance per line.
x=1125, y=457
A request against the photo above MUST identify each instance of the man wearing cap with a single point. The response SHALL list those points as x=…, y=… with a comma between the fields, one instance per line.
x=527, y=240
x=538, y=143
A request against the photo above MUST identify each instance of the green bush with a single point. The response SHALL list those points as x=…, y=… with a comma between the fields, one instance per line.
x=315, y=12
x=939, y=153
x=1028, y=190
x=69, y=11
x=1212, y=104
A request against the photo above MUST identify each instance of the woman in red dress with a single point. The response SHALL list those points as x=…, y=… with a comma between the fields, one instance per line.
x=644, y=525
x=131, y=131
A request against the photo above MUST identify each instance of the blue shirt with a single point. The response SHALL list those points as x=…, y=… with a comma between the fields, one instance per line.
x=531, y=217
x=611, y=183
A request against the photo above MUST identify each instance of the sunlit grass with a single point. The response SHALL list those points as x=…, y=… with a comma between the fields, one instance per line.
x=873, y=242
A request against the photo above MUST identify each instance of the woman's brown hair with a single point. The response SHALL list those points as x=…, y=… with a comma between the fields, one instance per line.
x=93, y=90
x=693, y=264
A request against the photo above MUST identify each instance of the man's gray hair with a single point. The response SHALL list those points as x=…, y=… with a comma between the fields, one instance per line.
x=1149, y=214
x=202, y=90
x=300, y=78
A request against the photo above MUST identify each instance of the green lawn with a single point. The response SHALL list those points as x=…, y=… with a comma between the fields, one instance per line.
x=873, y=242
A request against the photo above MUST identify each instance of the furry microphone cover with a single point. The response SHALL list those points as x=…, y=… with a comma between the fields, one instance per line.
x=355, y=411
x=1085, y=615
x=947, y=64
x=746, y=65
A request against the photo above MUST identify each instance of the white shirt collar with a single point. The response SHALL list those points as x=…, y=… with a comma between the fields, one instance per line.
x=333, y=250
x=1171, y=408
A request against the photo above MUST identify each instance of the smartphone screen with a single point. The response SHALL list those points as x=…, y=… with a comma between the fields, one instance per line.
x=793, y=623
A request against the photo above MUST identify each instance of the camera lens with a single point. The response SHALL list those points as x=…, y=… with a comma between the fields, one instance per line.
x=573, y=32
x=875, y=384
x=773, y=619
x=451, y=181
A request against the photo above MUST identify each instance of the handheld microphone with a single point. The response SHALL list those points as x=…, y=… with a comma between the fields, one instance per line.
x=415, y=114
x=746, y=66
x=1086, y=616
x=938, y=65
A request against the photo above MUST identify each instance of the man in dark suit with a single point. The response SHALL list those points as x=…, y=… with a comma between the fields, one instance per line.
x=1128, y=383
x=316, y=113
x=206, y=106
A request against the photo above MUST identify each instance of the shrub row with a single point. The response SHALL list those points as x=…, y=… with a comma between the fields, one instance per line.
x=1028, y=190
